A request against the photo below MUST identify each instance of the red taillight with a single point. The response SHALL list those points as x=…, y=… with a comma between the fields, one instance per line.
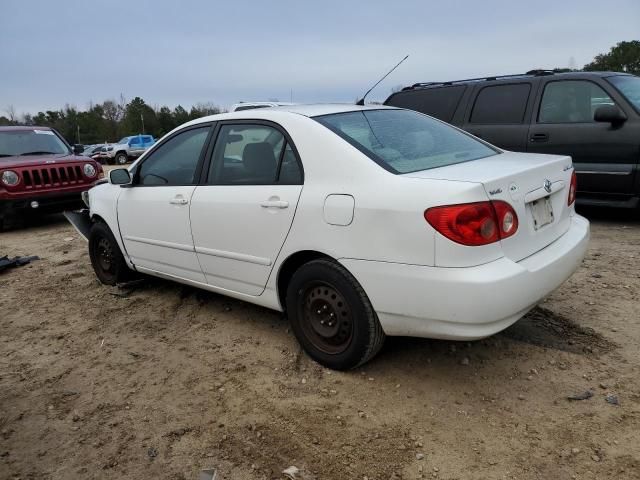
x=474, y=224
x=572, y=189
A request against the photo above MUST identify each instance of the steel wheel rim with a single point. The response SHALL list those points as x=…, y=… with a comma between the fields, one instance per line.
x=327, y=320
x=105, y=255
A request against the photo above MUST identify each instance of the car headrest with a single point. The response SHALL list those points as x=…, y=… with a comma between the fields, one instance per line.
x=259, y=160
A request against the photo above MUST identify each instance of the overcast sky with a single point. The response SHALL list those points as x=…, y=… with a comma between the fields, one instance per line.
x=184, y=52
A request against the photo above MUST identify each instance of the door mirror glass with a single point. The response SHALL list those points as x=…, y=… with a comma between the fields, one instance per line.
x=609, y=114
x=78, y=149
x=119, y=176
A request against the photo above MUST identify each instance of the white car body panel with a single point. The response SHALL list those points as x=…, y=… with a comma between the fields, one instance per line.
x=370, y=220
x=256, y=220
x=155, y=229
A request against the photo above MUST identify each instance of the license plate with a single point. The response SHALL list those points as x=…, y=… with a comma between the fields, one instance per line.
x=542, y=211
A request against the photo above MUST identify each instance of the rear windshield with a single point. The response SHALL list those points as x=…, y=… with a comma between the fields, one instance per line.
x=629, y=86
x=404, y=141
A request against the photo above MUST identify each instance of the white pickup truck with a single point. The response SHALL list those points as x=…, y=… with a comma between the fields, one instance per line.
x=128, y=148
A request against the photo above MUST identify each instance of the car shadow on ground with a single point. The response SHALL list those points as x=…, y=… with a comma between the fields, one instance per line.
x=32, y=221
x=540, y=328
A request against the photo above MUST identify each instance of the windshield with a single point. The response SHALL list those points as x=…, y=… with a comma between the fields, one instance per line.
x=629, y=86
x=123, y=140
x=404, y=141
x=31, y=142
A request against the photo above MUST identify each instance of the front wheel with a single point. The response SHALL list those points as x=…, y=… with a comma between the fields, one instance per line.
x=121, y=158
x=331, y=316
x=106, y=258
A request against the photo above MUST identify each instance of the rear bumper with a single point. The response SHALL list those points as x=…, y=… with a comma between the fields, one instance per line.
x=50, y=202
x=468, y=303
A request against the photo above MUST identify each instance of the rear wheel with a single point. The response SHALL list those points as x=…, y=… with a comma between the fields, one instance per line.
x=121, y=158
x=106, y=258
x=331, y=316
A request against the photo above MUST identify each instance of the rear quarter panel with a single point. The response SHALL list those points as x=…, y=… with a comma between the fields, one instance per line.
x=388, y=223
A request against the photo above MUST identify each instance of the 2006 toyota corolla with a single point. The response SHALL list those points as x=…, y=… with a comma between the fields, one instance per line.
x=359, y=222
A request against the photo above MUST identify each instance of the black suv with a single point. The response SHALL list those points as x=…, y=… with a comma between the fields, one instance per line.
x=592, y=116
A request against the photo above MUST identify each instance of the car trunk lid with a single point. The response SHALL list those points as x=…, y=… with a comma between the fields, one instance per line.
x=536, y=186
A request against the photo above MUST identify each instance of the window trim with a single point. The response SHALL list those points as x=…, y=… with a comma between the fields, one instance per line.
x=544, y=89
x=214, y=140
x=523, y=121
x=199, y=166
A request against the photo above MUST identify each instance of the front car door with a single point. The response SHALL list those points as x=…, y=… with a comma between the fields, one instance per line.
x=242, y=216
x=500, y=113
x=153, y=213
x=604, y=155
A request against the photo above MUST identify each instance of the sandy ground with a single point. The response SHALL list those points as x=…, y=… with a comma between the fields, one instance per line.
x=162, y=381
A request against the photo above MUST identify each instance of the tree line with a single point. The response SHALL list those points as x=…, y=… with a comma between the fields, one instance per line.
x=111, y=120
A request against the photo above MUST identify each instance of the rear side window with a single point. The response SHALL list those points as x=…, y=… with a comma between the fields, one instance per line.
x=571, y=101
x=437, y=102
x=501, y=104
x=403, y=141
x=253, y=155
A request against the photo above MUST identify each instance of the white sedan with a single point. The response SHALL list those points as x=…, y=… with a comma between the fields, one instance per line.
x=358, y=222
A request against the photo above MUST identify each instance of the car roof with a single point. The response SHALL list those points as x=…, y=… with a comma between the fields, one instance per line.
x=309, y=110
x=507, y=78
x=19, y=128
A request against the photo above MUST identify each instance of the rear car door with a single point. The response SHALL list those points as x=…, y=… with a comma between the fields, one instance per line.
x=499, y=113
x=242, y=216
x=153, y=213
x=604, y=155
x=135, y=146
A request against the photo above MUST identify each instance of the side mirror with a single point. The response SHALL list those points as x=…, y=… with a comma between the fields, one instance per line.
x=120, y=176
x=78, y=149
x=609, y=114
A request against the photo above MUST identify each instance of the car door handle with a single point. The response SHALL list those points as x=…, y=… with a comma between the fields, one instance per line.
x=179, y=200
x=275, y=204
x=539, y=137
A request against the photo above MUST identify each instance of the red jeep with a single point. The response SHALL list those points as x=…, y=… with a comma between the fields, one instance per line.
x=39, y=171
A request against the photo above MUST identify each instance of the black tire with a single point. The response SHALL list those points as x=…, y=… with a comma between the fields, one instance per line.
x=121, y=158
x=331, y=316
x=106, y=258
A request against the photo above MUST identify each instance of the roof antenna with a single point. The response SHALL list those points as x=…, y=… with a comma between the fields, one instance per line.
x=361, y=101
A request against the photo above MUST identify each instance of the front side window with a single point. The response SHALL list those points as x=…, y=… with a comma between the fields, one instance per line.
x=571, y=101
x=629, y=86
x=175, y=161
x=501, y=104
x=31, y=142
x=404, y=141
x=252, y=155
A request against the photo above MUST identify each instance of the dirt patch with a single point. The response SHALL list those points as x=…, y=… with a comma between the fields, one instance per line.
x=548, y=329
x=162, y=381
